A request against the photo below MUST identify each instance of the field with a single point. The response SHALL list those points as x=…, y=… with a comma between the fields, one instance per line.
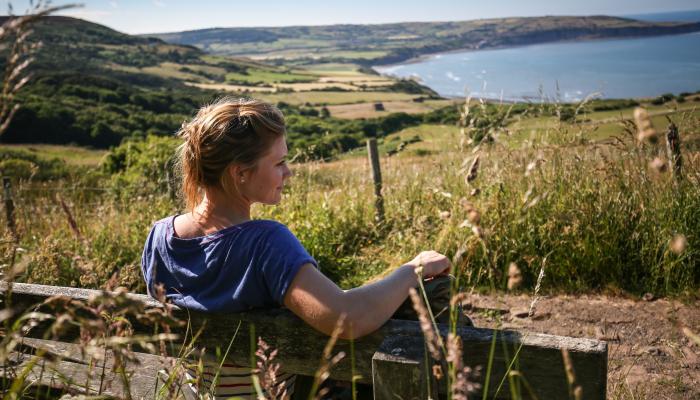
x=72, y=155
x=368, y=110
x=552, y=195
x=328, y=98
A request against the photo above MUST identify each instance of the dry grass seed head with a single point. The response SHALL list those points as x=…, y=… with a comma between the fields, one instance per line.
x=658, y=165
x=515, y=277
x=473, y=170
x=679, y=243
x=645, y=129
x=458, y=299
x=462, y=386
x=267, y=371
x=432, y=339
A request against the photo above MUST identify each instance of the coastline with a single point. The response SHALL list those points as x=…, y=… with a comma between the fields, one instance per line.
x=427, y=56
x=512, y=98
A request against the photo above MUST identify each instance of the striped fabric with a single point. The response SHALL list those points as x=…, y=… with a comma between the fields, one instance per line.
x=233, y=381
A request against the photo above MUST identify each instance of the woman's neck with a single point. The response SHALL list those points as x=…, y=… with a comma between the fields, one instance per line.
x=218, y=210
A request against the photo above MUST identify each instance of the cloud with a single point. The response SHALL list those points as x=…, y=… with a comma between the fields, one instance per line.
x=113, y=4
x=159, y=3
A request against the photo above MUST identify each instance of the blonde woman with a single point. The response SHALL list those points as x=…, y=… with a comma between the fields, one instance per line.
x=216, y=258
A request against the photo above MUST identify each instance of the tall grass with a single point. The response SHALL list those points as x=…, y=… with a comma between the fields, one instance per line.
x=599, y=216
x=603, y=217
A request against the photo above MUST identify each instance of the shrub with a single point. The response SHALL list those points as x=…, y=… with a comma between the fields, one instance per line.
x=23, y=164
x=664, y=98
x=18, y=169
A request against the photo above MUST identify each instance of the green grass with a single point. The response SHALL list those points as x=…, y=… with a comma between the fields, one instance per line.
x=72, y=155
x=595, y=126
x=333, y=69
x=433, y=139
x=354, y=55
x=603, y=219
x=546, y=187
x=268, y=77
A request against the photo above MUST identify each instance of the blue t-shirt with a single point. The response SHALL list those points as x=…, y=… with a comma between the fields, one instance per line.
x=245, y=266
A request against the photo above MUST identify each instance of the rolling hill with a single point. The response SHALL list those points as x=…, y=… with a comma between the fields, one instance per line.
x=391, y=43
x=94, y=86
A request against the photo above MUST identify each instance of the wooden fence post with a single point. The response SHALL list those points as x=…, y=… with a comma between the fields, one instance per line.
x=400, y=370
x=377, y=178
x=9, y=206
x=673, y=150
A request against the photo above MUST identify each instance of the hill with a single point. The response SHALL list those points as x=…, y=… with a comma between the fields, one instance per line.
x=94, y=86
x=391, y=43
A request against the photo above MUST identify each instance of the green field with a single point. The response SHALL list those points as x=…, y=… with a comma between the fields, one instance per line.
x=596, y=126
x=268, y=77
x=326, y=98
x=72, y=155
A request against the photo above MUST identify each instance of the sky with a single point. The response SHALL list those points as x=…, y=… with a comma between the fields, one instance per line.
x=157, y=16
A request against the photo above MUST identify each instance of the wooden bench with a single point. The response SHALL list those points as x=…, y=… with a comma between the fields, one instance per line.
x=391, y=359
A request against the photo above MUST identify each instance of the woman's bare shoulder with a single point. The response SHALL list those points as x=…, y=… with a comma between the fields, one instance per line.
x=186, y=228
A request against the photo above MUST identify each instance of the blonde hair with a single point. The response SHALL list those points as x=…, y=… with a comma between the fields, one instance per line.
x=229, y=131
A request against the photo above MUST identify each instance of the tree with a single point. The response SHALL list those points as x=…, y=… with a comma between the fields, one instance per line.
x=18, y=29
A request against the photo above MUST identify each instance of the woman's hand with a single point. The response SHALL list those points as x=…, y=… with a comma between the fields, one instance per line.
x=433, y=263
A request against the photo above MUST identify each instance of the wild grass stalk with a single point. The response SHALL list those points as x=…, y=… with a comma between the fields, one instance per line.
x=328, y=360
x=266, y=373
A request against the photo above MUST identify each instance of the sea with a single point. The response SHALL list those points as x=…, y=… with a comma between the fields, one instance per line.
x=567, y=71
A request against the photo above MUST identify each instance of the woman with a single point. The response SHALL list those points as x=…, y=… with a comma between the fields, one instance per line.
x=215, y=258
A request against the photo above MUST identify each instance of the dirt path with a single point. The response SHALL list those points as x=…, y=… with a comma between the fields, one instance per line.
x=648, y=355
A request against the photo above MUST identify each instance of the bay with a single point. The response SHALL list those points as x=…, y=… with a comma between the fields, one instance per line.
x=564, y=71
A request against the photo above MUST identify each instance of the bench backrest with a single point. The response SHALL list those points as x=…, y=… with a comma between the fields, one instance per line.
x=392, y=357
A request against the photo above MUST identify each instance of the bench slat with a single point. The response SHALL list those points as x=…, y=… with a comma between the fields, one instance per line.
x=68, y=369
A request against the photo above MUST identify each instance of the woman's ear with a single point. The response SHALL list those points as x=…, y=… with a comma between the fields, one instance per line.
x=236, y=173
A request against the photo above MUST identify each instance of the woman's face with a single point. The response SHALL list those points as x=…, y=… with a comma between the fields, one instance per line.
x=264, y=183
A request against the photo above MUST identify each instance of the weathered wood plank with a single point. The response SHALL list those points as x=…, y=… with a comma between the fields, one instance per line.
x=399, y=368
x=62, y=366
x=539, y=355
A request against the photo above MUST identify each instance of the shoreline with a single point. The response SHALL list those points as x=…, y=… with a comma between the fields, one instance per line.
x=426, y=56
x=513, y=100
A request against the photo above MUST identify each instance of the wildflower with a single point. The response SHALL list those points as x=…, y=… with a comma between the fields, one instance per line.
x=444, y=215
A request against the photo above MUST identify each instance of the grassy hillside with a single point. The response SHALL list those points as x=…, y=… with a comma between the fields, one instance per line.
x=389, y=43
x=94, y=86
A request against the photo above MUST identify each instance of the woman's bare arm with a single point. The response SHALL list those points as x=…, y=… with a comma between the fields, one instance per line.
x=320, y=302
